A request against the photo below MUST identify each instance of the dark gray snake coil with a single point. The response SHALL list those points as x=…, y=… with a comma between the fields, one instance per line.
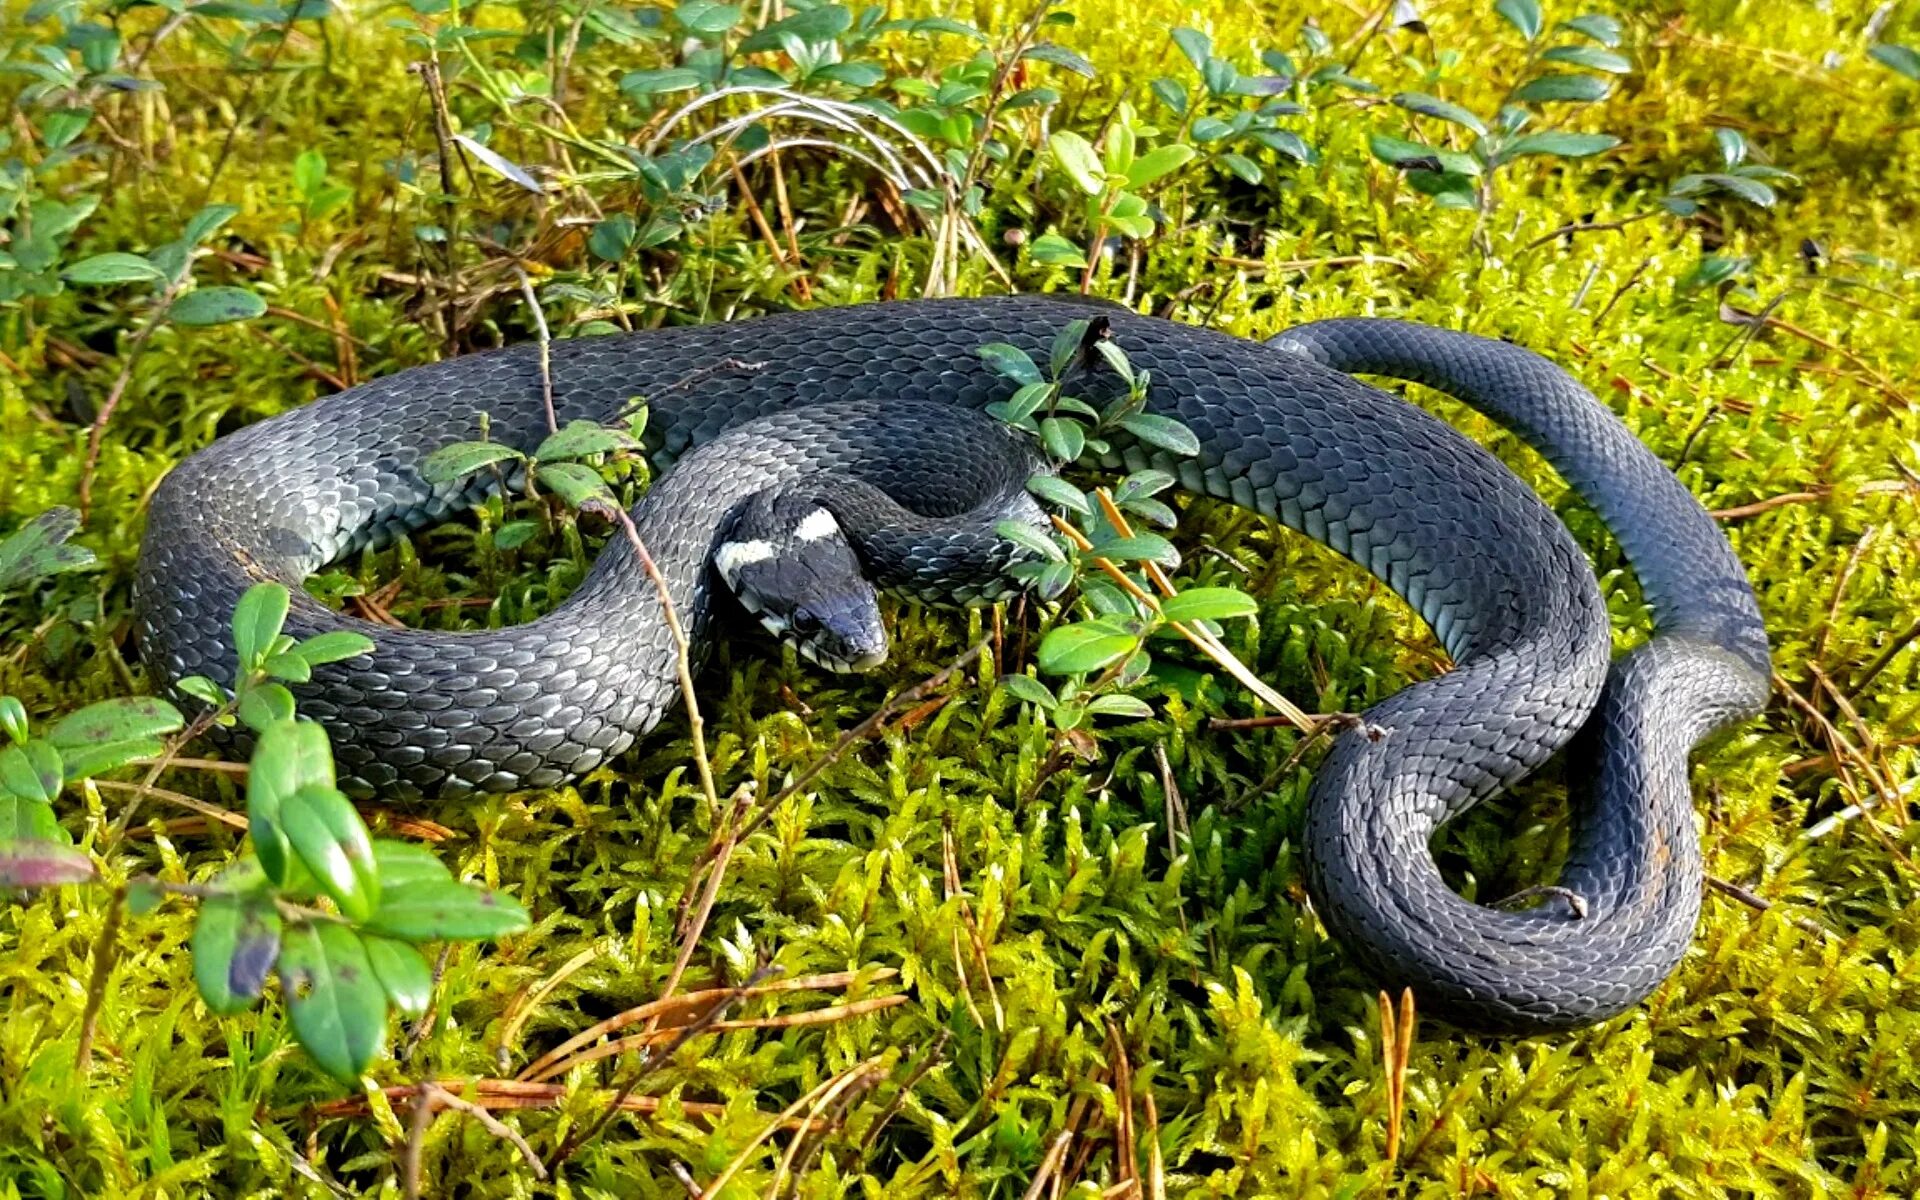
x=1282, y=430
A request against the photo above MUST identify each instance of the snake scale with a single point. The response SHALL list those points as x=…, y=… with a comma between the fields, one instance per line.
x=1284, y=429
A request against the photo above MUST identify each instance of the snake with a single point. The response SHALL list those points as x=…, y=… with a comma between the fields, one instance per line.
x=860, y=396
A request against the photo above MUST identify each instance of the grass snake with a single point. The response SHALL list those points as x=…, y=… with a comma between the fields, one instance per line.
x=1283, y=428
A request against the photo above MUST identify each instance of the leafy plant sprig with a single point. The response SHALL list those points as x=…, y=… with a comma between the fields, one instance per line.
x=1568, y=63
x=1124, y=595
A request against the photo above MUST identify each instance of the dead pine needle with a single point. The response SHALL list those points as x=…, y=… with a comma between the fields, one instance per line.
x=1396, y=1047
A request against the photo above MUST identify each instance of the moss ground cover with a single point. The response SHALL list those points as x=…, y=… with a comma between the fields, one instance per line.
x=1005, y=936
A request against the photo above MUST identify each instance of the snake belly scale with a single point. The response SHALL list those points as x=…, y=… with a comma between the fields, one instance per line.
x=1282, y=429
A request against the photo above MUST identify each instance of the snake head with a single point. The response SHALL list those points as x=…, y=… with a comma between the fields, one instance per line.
x=789, y=563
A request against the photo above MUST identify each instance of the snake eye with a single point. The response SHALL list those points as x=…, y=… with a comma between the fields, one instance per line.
x=804, y=622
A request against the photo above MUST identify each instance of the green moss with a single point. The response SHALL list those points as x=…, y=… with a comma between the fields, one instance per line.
x=1776, y=1062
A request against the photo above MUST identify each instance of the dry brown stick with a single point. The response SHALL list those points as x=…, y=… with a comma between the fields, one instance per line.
x=861, y=732
x=956, y=890
x=692, y=1000
x=1877, y=487
x=816, y=1016
x=697, y=925
x=841, y=1096
x=1049, y=1165
x=1156, y=1163
x=1125, y=1149
x=1396, y=1046
x=696, y=999
x=1760, y=903
x=800, y=286
x=118, y=391
x=831, y=1086
x=618, y=1103
x=510, y=1094
x=522, y=1010
x=545, y=342
x=212, y=812
x=1884, y=658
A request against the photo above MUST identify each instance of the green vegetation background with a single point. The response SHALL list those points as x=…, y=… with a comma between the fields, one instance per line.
x=1778, y=1061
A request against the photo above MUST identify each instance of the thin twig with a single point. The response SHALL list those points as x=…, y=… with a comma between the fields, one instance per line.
x=104, y=952
x=1877, y=487
x=1049, y=1165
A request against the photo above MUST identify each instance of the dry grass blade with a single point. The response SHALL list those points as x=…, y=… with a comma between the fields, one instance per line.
x=1396, y=1048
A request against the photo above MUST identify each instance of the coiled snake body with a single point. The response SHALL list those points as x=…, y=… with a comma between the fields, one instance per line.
x=1282, y=430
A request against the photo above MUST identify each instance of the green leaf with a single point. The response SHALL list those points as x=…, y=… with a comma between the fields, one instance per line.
x=61, y=125
x=404, y=863
x=13, y=718
x=577, y=485
x=144, y=896
x=216, y=306
x=309, y=172
x=117, y=720
x=1523, y=15
x=1433, y=106
x=1197, y=46
x=822, y=24
x=1056, y=490
x=265, y=704
x=1141, y=547
x=1208, y=604
x=514, y=534
x=427, y=911
x=1077, y=156
x=1118, y=705
x=1243, y=167
x=460, y=459
x=1029, y=689
x=1570, y=89
x=1150, y=482
x=1902, y=59
x=1164, y=432
x=1059, y=56
x=289, y=757
x=1066, y=345
x=32, y=771
x=203, y=689
x=659, y=81
x=1560, y=145
x=1732, y=144
x=257, y=620
x=84, y=762
x=403, y=973
x=337, y=645
x=1171, y=93
x=706, y=17
x=114, y=268
x=581, y=438
x=1714, y=269
x=1597, y=26
x=42, y=864
x=1011, y=362
x=39, y=548
x=338, y=1007
x=24, y=820
x=236, y=940
x=328, y=835
x=1063, y=437
x=1399, y=152
x=1056, y=251
x=1593, y=58
x=1085, y=647
x=1157, y=162
x=290, y=668
x=1030, y=539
